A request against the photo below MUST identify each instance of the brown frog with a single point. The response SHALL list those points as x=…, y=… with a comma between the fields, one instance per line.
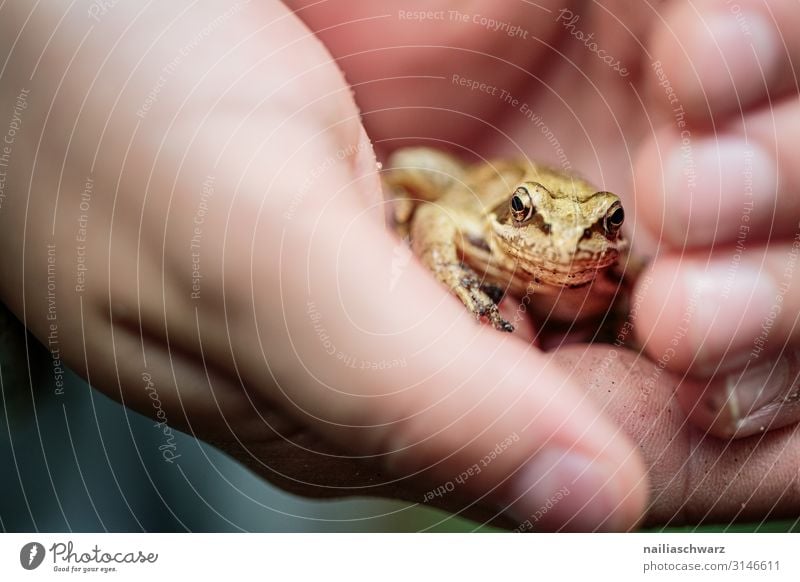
x=509, y=226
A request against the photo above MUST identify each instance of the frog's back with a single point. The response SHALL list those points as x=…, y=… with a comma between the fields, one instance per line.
x=485, y=184
x=560, y=183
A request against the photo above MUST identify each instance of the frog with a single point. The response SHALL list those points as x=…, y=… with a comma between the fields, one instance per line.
x=509, y=226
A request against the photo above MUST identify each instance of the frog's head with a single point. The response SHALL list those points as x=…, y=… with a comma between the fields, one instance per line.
x=560, y=237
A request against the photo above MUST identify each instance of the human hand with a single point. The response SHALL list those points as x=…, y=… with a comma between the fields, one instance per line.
x=721, y=301
x=206, y=212
x=695, y=478
x=455, y=399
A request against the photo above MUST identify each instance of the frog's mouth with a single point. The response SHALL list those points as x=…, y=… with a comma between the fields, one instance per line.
x=577, y=272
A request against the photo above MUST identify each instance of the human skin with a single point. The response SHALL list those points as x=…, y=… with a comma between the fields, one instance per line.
x=295, y=259
x=730, y=69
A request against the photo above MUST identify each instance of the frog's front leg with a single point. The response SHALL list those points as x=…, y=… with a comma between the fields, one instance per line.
x=433, y=236
x=415, y=175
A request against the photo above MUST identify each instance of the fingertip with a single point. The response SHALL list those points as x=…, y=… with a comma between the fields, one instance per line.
x=529, y=442
x=663, y=315
x=649, y=186
x=702, y=316
x=712, y=62
x=620, y=470
x=763, y=396
x=565, y=490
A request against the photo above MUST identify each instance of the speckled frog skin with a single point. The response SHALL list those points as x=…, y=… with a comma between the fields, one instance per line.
x=509, y=226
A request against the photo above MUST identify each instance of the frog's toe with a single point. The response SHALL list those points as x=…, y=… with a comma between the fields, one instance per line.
x=495, y=292
x=505, y=326
x=479, y=298
x=488, y=308
x=499, y=323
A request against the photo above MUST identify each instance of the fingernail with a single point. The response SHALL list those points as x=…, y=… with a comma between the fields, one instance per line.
x=758, y=385
x=743, y=394
x=725, y=313
x=768, y=392
x=565, y=491
x=749, y=44
x=718, y=187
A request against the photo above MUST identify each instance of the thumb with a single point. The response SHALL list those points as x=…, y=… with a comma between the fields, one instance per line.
x=370, y=351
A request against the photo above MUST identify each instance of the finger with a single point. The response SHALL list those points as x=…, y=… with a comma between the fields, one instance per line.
x=695, y=478
x=720, y=313
x=721, y=57
x=763, y=397
x=308, y=465
x=737, y=187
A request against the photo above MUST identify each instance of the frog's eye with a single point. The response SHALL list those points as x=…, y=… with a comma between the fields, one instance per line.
x=613, y=219
x=521, y=204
